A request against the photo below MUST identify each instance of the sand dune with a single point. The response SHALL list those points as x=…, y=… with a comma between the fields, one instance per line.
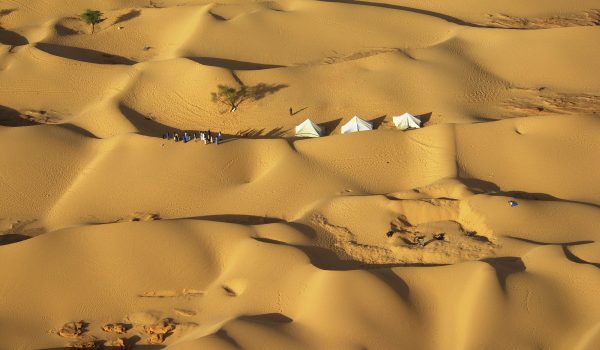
x=112, y=236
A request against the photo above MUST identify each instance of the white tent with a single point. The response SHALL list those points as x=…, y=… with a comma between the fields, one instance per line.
x=308, y=129
x=356, y=124
x=407, y=121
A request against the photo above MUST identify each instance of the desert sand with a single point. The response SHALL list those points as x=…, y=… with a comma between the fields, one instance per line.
x=112, y=236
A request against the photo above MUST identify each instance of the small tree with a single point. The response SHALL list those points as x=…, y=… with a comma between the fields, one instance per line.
x=92, y=17
x=230, y=95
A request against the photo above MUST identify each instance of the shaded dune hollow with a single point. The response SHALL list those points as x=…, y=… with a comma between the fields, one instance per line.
x=477, y=230
x=232, y=64
x=84, y=55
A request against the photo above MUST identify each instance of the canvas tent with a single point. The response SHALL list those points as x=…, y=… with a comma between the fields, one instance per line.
x=308, y=129
x=356, y=124
x=407, y=121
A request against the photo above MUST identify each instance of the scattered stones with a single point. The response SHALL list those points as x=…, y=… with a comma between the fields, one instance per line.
x=585, y=18
x=439, y=236
x=234, y=287
x=156, y=339
x=192, y=292
x=229, y=291
x=42, y=116
x=72, y=330
x=159, y=331
x=172, y=293
x=184, y=313
x=526, y=102
x=90, y=343
x=156, y=330
x=118, y=343
x=420, y=240
x=143, y=317
x=118, y=328
x=186, y=326
x=159, y=294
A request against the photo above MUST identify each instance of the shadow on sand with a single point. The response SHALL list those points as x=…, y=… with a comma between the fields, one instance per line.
x=271, y=318
x=330, y=126
x=424, y=118
x=127, y=16
x=294, y=112
x=61, y=30
x=377, y=121
x=130, y=343
x=565, y=247
x=146, y=125
x=504, y=267
x=241, y=219
x=409, y=9
x=261, y=90
x=11, y=238
x=491, y=189
x=83, y=55
x=261, y=133
x=232, y=64
x=12, y=39
x=13, y=118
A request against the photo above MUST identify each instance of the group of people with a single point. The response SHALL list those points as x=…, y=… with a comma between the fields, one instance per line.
x=204, y=136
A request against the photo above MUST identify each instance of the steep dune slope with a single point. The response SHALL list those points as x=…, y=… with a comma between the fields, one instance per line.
x=521, y=151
